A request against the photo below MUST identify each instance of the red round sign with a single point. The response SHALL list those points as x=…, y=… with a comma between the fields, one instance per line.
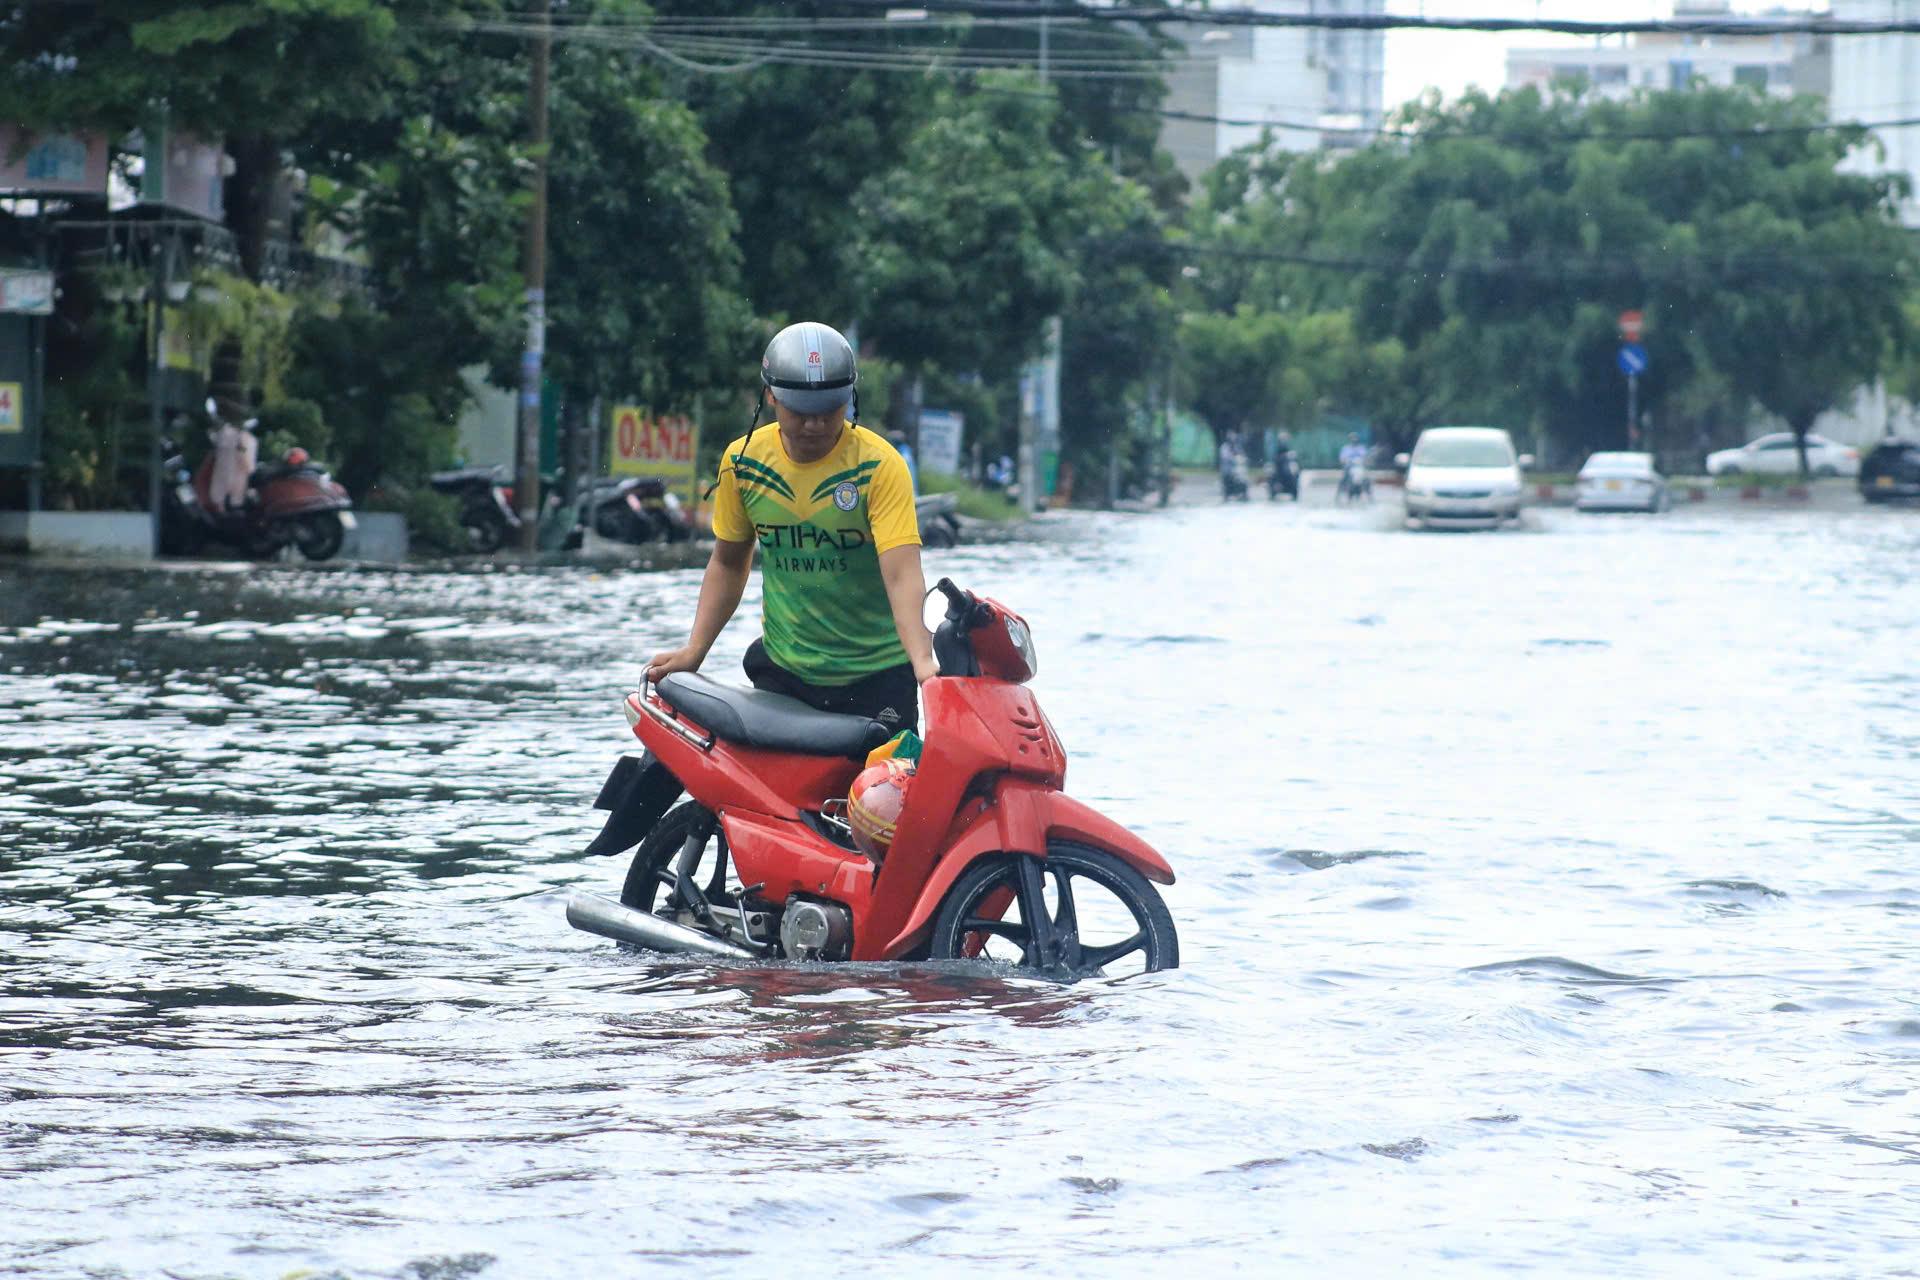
x=1631, y=323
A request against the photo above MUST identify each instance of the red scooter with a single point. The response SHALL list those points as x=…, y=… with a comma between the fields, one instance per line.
x=990, y=860
x=291, y=500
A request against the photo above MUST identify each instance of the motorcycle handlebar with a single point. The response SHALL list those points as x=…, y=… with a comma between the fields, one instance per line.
x=958, y=601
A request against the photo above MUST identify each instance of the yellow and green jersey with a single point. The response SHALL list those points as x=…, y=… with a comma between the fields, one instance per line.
x=821, y=528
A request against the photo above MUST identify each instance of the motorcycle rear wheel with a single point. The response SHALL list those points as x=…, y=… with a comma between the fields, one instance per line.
x=319, y=535
x=656, y=862
x=1123, y=928
x=486, y=530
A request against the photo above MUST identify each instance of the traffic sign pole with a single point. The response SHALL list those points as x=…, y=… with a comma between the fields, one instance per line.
x=1632, y=361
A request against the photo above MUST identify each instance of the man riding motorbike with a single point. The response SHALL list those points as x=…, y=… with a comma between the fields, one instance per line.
x=1283, y=473
x=831, y=506
x=1354, y=481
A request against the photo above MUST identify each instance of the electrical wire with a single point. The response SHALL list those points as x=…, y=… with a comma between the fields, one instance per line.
x=705, y=54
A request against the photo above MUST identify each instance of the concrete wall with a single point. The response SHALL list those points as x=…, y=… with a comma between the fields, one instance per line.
x=124, y=534
x=377, y=535
x=128, y=535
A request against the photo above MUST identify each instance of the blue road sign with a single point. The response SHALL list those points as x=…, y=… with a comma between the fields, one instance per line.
x=1632, y=359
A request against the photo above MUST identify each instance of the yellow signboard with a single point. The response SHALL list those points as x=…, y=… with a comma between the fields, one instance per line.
x=12, y=420
x=177, y=348
x=643, y=443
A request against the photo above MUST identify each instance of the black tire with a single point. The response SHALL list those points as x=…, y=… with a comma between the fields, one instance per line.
x=961, y=932
x=1731, y=469
x=486, y=530
x=180, y=535
x=1826, y=472
x=613, y=522
x=319, y=535
x=656, y=860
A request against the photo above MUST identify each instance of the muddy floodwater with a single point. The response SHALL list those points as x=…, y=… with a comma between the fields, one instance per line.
x=1549, y=904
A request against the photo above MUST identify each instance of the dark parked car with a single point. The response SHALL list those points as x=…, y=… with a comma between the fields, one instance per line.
x=1892, y=470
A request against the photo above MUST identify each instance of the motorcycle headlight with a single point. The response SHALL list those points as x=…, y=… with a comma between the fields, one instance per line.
x=1022, y=637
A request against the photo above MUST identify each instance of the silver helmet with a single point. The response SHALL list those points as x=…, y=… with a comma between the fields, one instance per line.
x=808, y=367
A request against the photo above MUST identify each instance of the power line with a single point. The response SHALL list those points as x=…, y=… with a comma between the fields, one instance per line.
x=1743, y=26
x=686, y=53
x=1808, y=265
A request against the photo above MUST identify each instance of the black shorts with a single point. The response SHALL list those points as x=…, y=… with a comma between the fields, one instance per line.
x=891, y=696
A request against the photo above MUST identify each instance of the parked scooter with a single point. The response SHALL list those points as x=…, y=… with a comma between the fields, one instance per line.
x=939, y=520
x=1283, y=475
x=290, y=500
x=632, y=509
x=486, y=505
x=989, y=858
x=1355, y=484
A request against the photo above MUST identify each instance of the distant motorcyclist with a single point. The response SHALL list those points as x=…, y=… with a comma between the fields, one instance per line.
x=1352, y=451
x=1355, y=483
x=1233, y=480
x=1283, y=471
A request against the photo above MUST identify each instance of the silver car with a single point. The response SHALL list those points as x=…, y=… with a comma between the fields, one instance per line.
x=1620, y=482
x=1463, y=477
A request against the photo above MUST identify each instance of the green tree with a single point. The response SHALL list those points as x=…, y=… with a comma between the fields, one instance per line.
x=255, y=75
x=1497, y=246
x=966, y=247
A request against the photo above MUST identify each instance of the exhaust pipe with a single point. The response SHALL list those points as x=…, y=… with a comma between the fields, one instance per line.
x=592, y=914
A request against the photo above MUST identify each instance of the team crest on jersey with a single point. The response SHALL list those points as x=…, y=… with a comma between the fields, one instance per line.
x=846, y=495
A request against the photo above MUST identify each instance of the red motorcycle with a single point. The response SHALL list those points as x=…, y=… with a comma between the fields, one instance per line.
x=289, y=500
x=991, y=859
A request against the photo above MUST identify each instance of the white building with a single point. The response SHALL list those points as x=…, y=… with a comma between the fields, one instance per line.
x=1781, y=64
x=1313, y=87
x=1878, y=78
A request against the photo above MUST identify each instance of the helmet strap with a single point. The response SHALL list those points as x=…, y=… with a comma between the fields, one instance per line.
x=745, y=444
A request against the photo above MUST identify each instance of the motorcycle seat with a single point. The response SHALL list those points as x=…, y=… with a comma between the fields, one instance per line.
x=756, y=718
x=463, y=476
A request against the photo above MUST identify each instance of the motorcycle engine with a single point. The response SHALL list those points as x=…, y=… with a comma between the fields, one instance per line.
x=815, y=930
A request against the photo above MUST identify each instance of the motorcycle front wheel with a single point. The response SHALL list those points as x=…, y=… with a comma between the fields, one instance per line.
x=319, y=535
x=1103, y=918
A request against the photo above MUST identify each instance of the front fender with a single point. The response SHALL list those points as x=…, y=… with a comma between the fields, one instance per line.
x=1023, y=817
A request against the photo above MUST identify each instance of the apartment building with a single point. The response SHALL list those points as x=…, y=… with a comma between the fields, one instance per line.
x=1781, y=63
x=1314, y=87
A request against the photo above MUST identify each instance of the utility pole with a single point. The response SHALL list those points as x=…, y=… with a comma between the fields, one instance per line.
x=527, y=487
x=1033, y=388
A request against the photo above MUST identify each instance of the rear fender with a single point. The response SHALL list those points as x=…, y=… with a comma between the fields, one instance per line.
x=727, y=775
x=636, y=795
x=301, y=493
x=1022, y=818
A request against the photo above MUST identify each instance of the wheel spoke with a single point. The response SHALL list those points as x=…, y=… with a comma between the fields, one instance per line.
x=1100, y=957
x=1000, y=928
x=1065, y=920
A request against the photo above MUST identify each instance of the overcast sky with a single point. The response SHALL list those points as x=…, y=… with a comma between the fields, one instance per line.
x=1452, y=60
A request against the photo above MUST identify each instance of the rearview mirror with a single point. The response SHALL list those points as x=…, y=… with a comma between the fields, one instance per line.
x=1402, y=459
x=1526, y=459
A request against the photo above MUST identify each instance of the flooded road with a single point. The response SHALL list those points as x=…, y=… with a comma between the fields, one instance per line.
x=1549, y=903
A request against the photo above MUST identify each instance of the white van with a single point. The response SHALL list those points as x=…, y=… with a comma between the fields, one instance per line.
x=1463, y=476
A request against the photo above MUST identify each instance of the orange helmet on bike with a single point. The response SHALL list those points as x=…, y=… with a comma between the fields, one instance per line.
x=875, y=803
